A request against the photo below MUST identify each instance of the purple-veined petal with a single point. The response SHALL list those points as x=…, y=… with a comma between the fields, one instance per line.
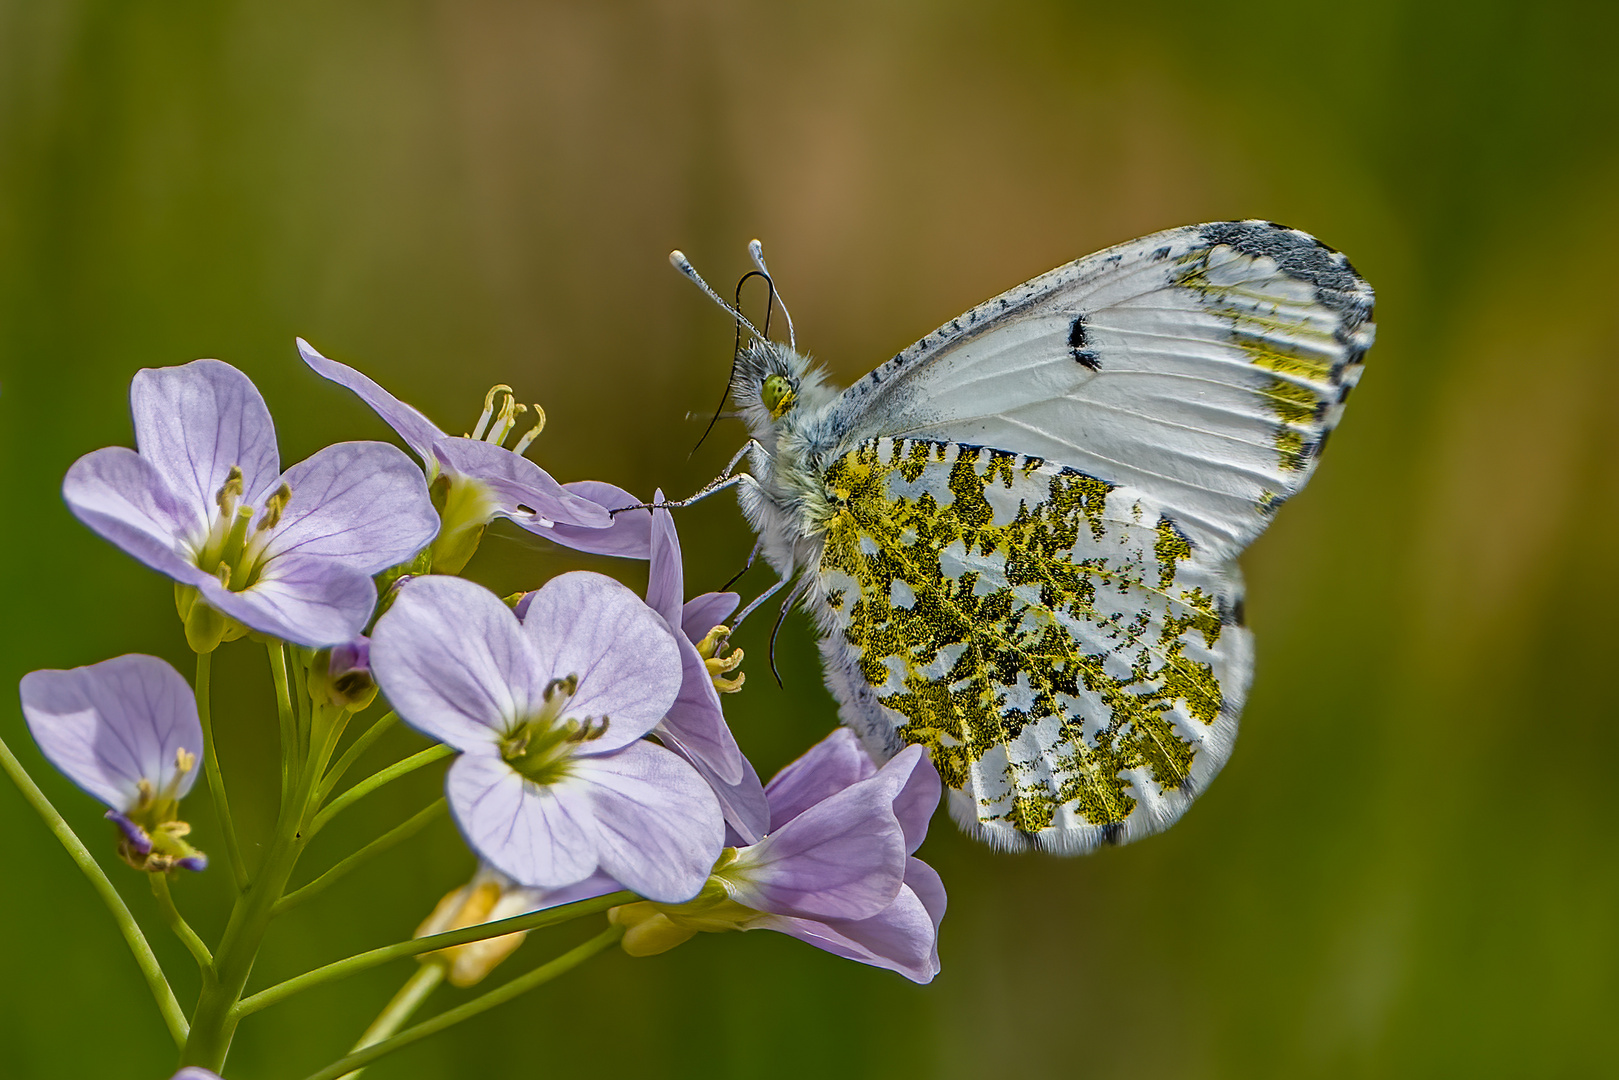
x=702, y=613
x=697, y=720
x=304, y=599
x=659, y=823
x=747, y=813
x=822, y=771
x=666, y=580
x=418, y=432
x=111, y=725
x=627, y=537
x=525, y=492
x=195, y=421
x=843, y=858
x=192, y=1072
x=919, y=798
x=903, y=937
x=543, y=837
x=454, y=663
x=122, y=498
x=628, y=665
x=362, y=502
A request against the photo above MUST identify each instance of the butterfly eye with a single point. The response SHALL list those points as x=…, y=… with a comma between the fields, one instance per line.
x=777, y=395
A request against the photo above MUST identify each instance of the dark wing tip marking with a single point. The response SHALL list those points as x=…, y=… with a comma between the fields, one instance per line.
x=1338, y=286
x=1077, y=344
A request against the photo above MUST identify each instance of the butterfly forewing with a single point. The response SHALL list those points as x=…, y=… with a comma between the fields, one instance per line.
x=1203, y=366
x=1071, y=660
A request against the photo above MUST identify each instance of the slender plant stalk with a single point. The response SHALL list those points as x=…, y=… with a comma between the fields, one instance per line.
x=422, y=982
x=360, y=745
x=404, y=831
x=416, y=946
x=145, y=959
x=378, y=779
x=289, y=723
x=216, y=783
x=482, y=1003
x=213, y=1024
x=182, y=929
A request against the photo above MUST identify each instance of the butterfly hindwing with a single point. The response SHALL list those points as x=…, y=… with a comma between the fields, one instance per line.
x=1073, y=663
x=1204, y=366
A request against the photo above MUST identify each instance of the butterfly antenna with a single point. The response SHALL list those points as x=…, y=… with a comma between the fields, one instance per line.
x=756, y=251
x=678, y=260
x=770, y=304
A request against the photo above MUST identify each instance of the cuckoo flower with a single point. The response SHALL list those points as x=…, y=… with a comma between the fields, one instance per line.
x=554, y=780
x=204, y=501
x=695, y=727
x=476, y=479
x=126, y=731
x=836, y=869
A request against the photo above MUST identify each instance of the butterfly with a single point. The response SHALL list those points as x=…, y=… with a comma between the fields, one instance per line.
x=1018, y=537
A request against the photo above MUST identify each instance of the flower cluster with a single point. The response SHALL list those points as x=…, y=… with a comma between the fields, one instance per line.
x=593, y=763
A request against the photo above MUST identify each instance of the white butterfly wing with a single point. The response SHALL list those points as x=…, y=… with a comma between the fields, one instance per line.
x=1203, y=366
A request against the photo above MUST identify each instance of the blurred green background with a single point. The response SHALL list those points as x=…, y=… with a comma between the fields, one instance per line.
x=1409, y=865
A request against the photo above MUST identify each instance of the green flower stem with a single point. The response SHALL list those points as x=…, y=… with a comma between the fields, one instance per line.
x=482, y=1003
x=410, y=827
x=352, y=754
x=289, y=723
x=378, y=779
x=216, y=783
x=213, y=1024
x=402, y=1006
x=173, y=1018
x=339, y=969
x=182, y=929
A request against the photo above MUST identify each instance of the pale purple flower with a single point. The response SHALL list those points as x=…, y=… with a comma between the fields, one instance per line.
x=836, y=870
x=126, y=731
x=477, y=479
x=695, y=727
x=204, y=501
x=554, y=781
x=193, y=1072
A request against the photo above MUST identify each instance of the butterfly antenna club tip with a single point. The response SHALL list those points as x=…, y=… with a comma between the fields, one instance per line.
x=678, y=260
x=756, y=252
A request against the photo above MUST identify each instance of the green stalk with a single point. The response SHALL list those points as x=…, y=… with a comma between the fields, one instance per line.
x=213, y=1024
x=498, y=996
x=403, y=831
x=182, y=929
x=360, y=745
x=401, y=1007
x=378, y=779
x=283, y=708
x=145, y=959
x=216, y=783
x=353, y=965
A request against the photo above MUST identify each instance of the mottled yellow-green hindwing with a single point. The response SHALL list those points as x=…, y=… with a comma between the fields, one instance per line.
x=1056, y=643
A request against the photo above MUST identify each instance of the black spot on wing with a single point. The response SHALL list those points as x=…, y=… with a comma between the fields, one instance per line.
x=1077, y=344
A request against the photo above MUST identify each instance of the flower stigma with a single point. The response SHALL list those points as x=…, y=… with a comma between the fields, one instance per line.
x=539, y=748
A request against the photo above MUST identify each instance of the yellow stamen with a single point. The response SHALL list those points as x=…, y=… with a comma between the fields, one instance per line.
x=532, y=433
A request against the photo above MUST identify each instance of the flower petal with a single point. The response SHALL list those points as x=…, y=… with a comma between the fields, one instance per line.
x=823, y=770
x=743, y=803
x=362, y=502
x=903, y=937
x=195, y=421
x=659, y=823
x=702, y=613
x=628, y=537
x=454, y=662
x=843, y=858
x=697, y=720
x=919, y=798
x=113, y=724
x=418, y=431
x=543, y=837
x=120, y=496
x=304, y=599
x=666, y=581
x=628, y=665
x=525, y=493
